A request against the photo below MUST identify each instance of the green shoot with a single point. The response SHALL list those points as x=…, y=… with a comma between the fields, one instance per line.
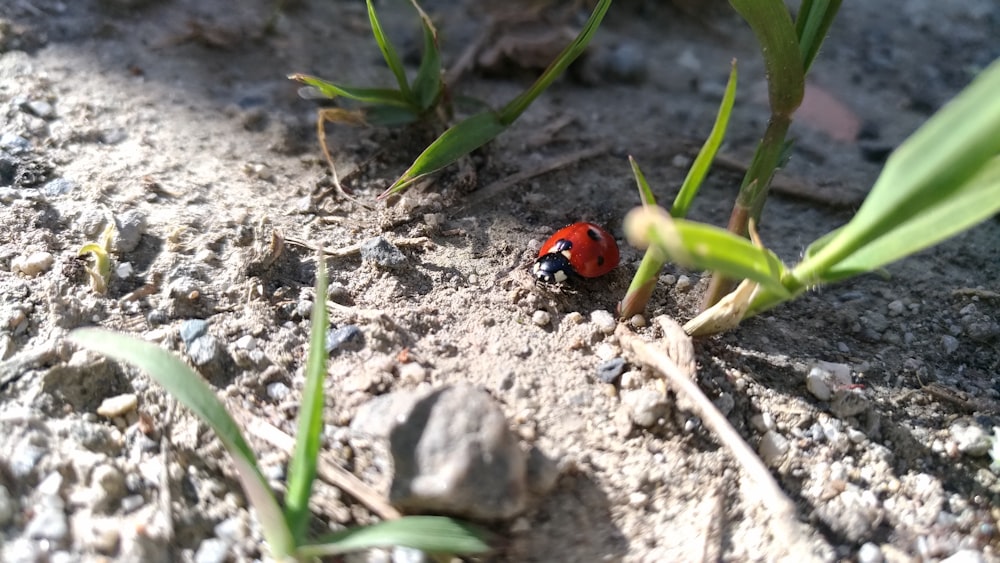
x=644, y=281
x=944, y=179
x=283, y=530
x=100, y=272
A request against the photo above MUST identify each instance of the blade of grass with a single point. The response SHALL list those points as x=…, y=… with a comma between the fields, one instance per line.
x=389, y=52
x=811, y=26
x=772, y=25
x=433, y=534
x=191, y=390
x=427, y=84
x=302, y=467
x=645, y=192
x=458, y=141
x=699, y=169
x=516, y=107
x=644, y=281
x=382, y=96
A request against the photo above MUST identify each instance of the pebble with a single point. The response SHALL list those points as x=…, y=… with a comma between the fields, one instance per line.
x=683, y=284
x=278, y=391
x=849, y=402
x=631, y=380
x=762, y=422
x=609, y=371
x=772, y=448
x=826, y=377
x=49, y=521
x=381, y=252
x=965, y=556
x=347, y=337
x=193, y=329
x=638, y=321
x=124, y=270
x=246, y=342
x=870, y=553
x=626, y=63
x=541, y=318
x=32, y=264
x=132, y=503
x=212, y=550
x=14, y=144
x=7, y=507
x=203, y=349
x=25, y=456
x=39, y=108
x=573, y=318
x=950, y=344
x=58, y=187
x=604, y=321
x=971, y=440
x=118, y=406
x=130, y=226
x=402, y=554
x=412, y=373
x=896, y=308
x=645, y=406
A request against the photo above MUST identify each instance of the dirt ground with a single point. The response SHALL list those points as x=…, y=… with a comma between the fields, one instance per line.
x=177, y=120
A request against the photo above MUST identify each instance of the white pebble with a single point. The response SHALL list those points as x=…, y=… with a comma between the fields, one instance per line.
x=683, y=284
x=573, y=318
x=604, y=321
x=772, y=448
x=123, y=270
x=826, y=377
x=246, y=342
x=412, y=373
x=638, y=321
x=118, y=406
x=541, y=318
x=32, y=264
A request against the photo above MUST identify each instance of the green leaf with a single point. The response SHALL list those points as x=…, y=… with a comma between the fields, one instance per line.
x=705, y=247
x=811, y=26
x=191, y=390
x=389, y=52
x=772, y=25
x=427, y=84
x=433, y=534
x=379, y=96
x=388, y=116
x=516, y=107
x=458, y=141
x=978, y=201
x=931, y=167
x=699, y=169
x=645, y=193
x=302, y=467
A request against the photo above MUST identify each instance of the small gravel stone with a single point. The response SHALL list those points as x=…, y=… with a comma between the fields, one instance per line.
x=412, y=373
x=192, y=329
x=212, y=550
x=39, y=108
x=130, y=226
x=118, y=406
x=49, y=522
x=541, y=318
x=849, y=402
x=826, y=377
x=608, y=372
x=246, y=342
x=382, y=253
x=278, y=391
x=950, y=344
x=638, y=321
x=58, y=187
x=971, y=440
x=762, y=422
x=965, y=556
x=573, y=318
x=347, y=337
x=604, y=321
x=896, y=308
x=626, y=63
x=645, y=406
x=683, y=284
x=772, y=448
x=132, y=503
x=408, y=555
x=203, y=350
x=32, y=264
x=870, y=553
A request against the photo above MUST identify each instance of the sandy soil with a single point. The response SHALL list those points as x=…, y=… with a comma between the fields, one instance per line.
x=176, y=119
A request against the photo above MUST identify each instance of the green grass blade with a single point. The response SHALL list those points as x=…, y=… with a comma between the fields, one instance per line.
x=388, y=116
x=191, y=390
x=929, y=168
x=302, y=467
x=516, y=107
x=389, y=52
x=699, y=169
x=378, y=96
x=458, y=141
x=645, y=192
x=705, y=247
x=772, y=25
x=812, y=25
x=979, y=201
x=433, y=534
x=427, y=84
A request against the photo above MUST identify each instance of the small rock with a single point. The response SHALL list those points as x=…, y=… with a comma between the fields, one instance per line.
x=132, y=503
x=453, y=452
x=965, y=556
x=131, y=225
x=645, y=406
x=762, y=422
x=638, y=321
x=632, y=380
x=950, y=344
x=212, y=550
x=14, y=144
x=49, y=522
x=124, y=270
x=604, y=321
x=412, y=373
x=203, y=350
x=118, y=406
x=626, y=63
x=278, y=391
x=608, y=372
x=541, y=318
x=193, y=329
x=347, y=337
x=58, y=187
x=105, y=538
x=772, y=448
x=246, y=342
x=870, y=553
x=849, y=402
x=39, y=108
x=896, y=308
x=971, y=440
x=826, y=377
x=683, y=284
x=32, y=264
x=382, y=253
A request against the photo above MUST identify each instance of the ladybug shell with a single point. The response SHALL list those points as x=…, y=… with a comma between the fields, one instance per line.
x=587, y=249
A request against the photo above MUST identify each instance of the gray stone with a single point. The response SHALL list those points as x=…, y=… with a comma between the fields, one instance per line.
x=8, y=507
x=131, y=225
x=454, y=453
x=609, y=371
x=382, y=253
x=192, y=329
x=203, y=350
x=49, y=522
x=212, y=550
x=32, y=264
x=870, y=552
x=347, y=337
x=58, y=187
x=645, y=406
x=772, y=448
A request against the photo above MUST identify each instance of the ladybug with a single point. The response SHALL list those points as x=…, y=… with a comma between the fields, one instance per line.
x=582, y=249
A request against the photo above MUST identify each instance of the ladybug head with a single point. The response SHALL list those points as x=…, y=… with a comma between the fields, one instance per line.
x=553, y=267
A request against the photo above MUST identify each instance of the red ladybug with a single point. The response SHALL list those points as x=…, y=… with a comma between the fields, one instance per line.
x=583, y=249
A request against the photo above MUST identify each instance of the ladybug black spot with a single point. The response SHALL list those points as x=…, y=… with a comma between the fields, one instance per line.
x=600, y=260
x=593, y=234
